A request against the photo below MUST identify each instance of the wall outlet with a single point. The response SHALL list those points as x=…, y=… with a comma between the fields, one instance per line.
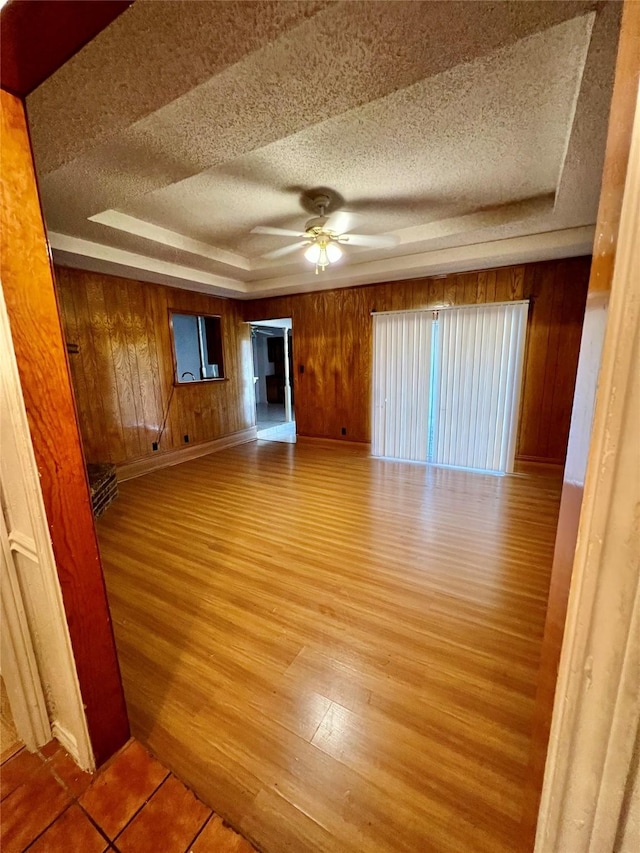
x=343, y=430
x=154, y=446
x=186, y=439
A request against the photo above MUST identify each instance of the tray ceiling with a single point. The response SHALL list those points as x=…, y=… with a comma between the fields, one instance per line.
x=474, y=132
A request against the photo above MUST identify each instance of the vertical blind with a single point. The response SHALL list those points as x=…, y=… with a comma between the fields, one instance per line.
x=446, y=385
x=401, y=371
x=480, y=354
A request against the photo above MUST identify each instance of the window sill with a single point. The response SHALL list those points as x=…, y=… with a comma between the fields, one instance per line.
x=200, y=381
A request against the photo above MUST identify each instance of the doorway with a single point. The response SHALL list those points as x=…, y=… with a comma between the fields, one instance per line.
x=272, y=348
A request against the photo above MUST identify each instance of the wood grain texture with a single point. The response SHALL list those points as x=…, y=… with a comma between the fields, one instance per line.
x=614, y=172
x=557, y=293
x=29, y=292
x=354, y=670
x=623, y=106
x=123, y=374
x=332, y=338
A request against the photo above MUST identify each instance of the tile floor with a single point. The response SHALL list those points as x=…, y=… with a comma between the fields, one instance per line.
x=279, y=432
x=269, y=414
x=133, y=805
x=272, y=425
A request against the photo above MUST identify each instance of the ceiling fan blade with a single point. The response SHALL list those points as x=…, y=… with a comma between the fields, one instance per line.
x=286, y=250
x=278, y=232
x=372, y=241
x=342, y=221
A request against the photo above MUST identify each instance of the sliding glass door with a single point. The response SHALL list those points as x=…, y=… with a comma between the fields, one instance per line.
x=402, y=343
x=446, y=385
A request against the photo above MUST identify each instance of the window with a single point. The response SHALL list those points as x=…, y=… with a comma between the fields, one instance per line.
x=197, y=346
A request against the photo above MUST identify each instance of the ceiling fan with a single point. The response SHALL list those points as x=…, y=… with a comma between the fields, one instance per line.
x=323, y=236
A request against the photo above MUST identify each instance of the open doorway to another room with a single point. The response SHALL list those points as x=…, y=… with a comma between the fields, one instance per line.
x=272, y=347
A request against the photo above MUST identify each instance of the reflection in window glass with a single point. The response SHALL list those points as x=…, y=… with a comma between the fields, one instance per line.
x=197, y=342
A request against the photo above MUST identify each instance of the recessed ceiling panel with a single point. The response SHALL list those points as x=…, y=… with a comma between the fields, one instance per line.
x=488, y=132
x=183, y=126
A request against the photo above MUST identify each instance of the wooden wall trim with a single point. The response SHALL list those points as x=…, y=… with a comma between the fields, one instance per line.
x=614, y=173
x=543, y=460
x=174, y=457
x=30, y=297
x=623, y=107
x=589, y=779
x=37, y=38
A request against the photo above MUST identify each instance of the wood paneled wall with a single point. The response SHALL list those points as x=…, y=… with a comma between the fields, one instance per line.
x=27, y=282
x=123, y=373
x=332, y=340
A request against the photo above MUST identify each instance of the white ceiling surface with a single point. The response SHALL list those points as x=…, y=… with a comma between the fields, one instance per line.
x=475, y=132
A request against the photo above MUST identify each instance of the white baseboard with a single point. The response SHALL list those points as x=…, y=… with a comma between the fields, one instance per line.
x=70, y=744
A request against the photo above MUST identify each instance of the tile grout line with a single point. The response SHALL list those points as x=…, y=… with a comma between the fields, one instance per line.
x=138, y=810
x=74, y=799
x=47, y=828
x=214, y=813
x=94, y=823
x=201, y=830
x=6, y=761
x=45, y=761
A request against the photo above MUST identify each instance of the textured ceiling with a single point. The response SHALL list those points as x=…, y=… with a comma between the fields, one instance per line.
x=184, y=125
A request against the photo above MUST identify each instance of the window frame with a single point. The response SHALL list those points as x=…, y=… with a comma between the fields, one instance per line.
x=174, y=356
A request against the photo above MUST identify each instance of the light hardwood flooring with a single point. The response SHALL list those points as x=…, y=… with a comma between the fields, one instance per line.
x=337, y=653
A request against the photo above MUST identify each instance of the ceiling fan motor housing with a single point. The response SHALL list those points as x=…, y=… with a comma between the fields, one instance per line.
x=316, y=225
x=321, y=203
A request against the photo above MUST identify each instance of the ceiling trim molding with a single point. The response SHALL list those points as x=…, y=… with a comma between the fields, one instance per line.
x=411, y=239
x=487, y=217
x=89, y=249
x=549, y=245
x=149, y=231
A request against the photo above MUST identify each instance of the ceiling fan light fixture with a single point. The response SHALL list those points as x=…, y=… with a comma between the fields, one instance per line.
x=334, y=252
x=313, y=253
x=322, y=252
x=322, y=235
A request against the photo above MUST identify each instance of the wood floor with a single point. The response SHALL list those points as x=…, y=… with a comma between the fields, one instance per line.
x=337, y=653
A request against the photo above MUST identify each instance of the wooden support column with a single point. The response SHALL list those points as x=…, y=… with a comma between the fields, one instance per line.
x=28, y=286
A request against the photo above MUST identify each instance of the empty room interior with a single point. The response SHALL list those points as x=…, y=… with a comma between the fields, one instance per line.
x=324, y=279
